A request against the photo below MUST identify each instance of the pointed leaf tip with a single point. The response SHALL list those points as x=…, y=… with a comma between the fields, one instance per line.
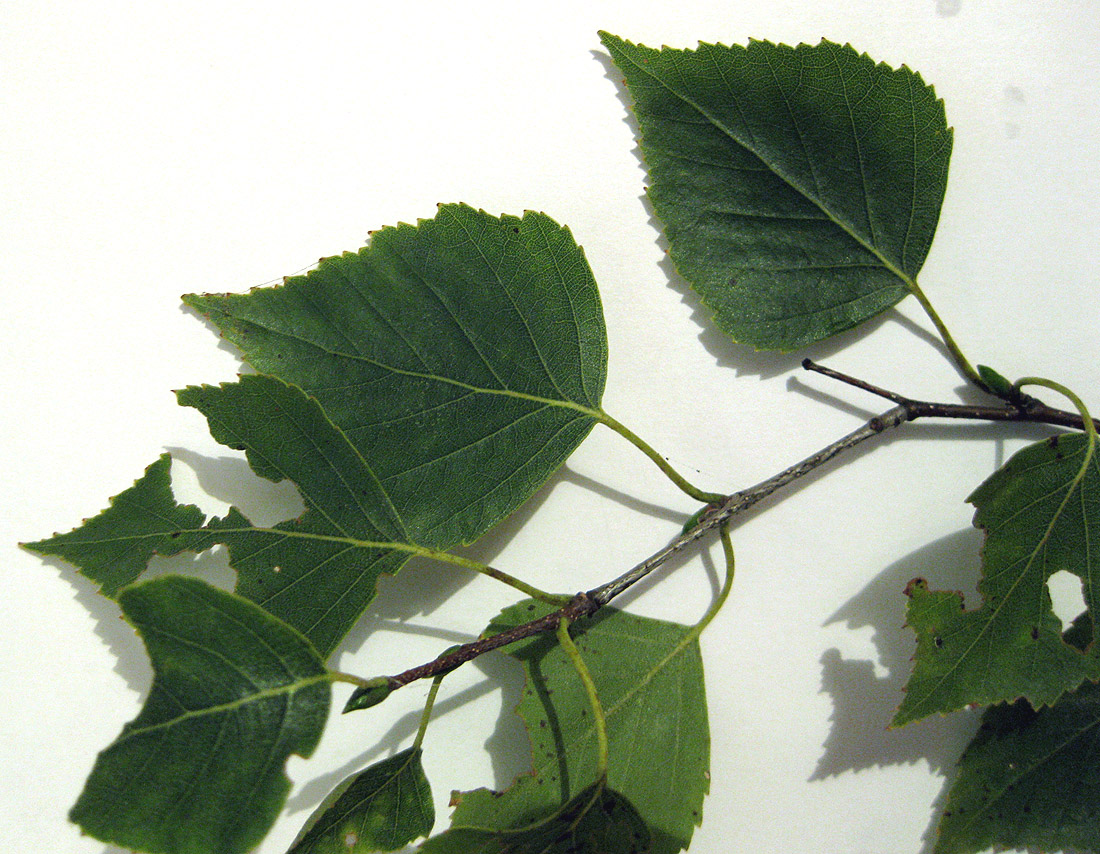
x=114, y=547
x=997, y=383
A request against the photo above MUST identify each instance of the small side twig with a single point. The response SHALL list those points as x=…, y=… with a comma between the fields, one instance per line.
x=1029, y=409
x=810, y=365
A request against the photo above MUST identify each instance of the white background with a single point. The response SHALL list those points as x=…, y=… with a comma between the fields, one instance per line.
x=152, y=149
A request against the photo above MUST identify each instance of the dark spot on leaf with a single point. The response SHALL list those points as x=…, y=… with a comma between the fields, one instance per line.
x=1035, y=633
x=938, y=641
x=175, y=534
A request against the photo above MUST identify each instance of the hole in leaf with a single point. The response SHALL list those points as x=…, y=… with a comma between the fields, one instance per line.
x=1066, y=597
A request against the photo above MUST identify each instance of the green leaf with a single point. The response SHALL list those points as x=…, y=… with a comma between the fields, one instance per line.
x=649, y=677
x=380, y=809
x=597, y=820
x=448, y=368
x=1041, y=512
x=114, y=547
x=464, y=357
x=1029, y=779
x=799, y=188
x=319, y=571
x=235, y=692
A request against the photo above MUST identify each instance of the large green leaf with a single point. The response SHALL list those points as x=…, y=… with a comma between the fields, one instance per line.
x=649, y=677
x=464, y=357
x=799, y=187
x=448, y=368
x=597, y=820
x=1029, y=779
x=380, y=809
x=235, y=692
x=1041, y=514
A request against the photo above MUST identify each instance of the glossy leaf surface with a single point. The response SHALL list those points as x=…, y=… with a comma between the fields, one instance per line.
x=799, y=188
x=380, y=809
x=1041, y=514
x=235, y=692
x=597, y=820
x=464, y=357
x=649, y=677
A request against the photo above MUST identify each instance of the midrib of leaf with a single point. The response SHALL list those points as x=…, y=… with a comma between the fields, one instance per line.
x=503, y=392
x=389, y=782
x=221, y=708
x=913, y=160
x=412, y=548
x=430, y=288
x=365, y=802
x=1072, y=488
x=909, y=282
x=859, y=158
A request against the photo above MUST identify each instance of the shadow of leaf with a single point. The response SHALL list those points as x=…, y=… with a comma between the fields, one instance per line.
x=864, y=702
